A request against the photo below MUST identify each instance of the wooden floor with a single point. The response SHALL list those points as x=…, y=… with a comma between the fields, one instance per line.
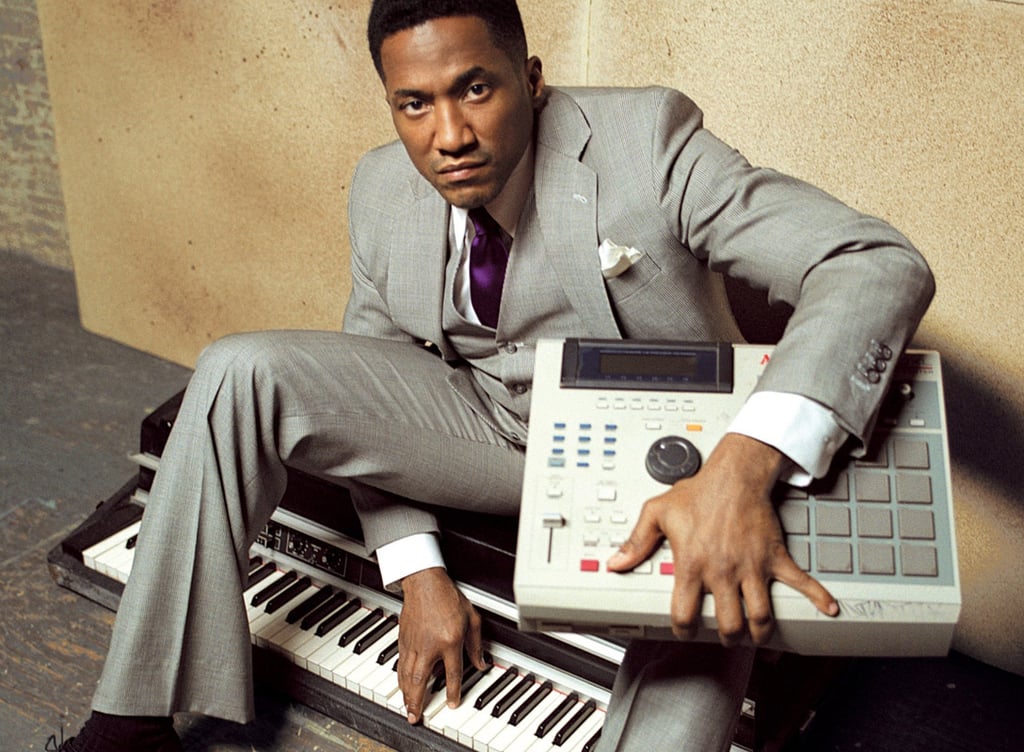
x=70, y=408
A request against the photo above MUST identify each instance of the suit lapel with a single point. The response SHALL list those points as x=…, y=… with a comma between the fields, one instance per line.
x=416, y=266
x=566, y=192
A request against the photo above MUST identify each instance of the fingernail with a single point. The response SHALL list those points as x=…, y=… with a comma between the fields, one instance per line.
x=833, y=609
x=411, y=718
x=617, y=558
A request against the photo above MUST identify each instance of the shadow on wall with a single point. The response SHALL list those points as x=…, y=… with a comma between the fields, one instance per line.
x=986, y=431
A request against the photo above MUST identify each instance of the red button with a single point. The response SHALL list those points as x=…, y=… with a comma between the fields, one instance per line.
x=590, y=565
x=667, y=567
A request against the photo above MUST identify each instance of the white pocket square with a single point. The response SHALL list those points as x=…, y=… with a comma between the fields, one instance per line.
x=615, y=259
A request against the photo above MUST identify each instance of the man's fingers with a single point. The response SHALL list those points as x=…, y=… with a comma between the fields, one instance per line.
x=788, y=572
x=732, y=623
x=642, y=541
x=687, y=599
x=760, y=623
x=453, y=677
x=474, y=643
x=412, y=681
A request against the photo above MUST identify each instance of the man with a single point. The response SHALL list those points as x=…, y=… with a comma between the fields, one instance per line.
x=373, y=409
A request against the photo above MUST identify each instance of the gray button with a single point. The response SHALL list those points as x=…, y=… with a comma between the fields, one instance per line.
x=835, y=557
x=876, y=456
x=872, y=486
x=877, y=558
x=839, y=491
x=913, y=489
x=832, y=520
x=919, y=561
x=518, y=389
x=874, y=522
x=918, y=524
x=801, y=553
x=795, y=519
x=911, y=454
x=511, y=348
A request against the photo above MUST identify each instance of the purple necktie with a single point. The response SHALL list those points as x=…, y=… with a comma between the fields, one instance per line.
x=488, y=257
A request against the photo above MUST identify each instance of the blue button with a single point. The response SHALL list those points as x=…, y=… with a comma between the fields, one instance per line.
x=556, y=462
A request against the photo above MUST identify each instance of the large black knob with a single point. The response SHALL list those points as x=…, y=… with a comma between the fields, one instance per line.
x=672, y=458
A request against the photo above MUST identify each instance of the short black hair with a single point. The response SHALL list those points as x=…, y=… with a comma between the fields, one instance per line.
x=501, y=17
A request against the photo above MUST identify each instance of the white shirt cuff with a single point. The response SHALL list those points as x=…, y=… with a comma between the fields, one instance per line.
x=804, y=430
x=406, y=556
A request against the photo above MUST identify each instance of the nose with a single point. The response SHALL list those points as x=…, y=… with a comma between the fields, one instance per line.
x=452, y=132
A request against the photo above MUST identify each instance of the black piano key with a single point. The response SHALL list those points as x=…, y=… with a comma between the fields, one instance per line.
x=499, y=684
x=591, y=742
x=530, y=703
x=273, y=588
x=573, y=724
x=557, y=714
x=361, y=626
x=468, y=673
x=255, y=562
x=255, y=578
x=375, y=634
x=338, y=617
x=310, y=604
x=513, y=695
x=293, y=592
x=387, y=653
x=322, y=612
x=468, y=682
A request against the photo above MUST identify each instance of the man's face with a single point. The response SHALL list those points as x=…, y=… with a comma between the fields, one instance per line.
x=462, y=108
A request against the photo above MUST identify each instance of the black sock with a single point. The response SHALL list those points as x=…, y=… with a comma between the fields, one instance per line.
x=118, y=733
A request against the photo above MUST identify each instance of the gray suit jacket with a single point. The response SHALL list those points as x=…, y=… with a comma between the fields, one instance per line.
x=638, y=168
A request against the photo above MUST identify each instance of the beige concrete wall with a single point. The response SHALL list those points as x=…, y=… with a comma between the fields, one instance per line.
x=206, y=150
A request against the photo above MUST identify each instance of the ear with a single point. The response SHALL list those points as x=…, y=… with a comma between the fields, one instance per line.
x=535, y=79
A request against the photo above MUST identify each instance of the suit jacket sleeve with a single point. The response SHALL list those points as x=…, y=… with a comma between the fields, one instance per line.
x=385, y=517
x=858, y=287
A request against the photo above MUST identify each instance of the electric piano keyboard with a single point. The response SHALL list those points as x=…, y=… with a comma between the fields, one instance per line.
x=310, y=552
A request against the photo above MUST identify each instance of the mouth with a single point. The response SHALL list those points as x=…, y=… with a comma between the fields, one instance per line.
x=460, y=171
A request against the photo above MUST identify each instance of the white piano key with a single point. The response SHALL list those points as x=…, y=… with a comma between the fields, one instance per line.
x=117, y=563
x=119, y=538
x=318, y=645
x=518, y=737
x=329, y=654
x=388, y=685
x=495, y=725
x=289, y=636
x=576, y=742
x=365, y=676
x=473, y=722
x=448, y=721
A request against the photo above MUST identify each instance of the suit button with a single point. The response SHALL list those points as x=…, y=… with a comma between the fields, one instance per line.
x=511, y=348
x=518, y=389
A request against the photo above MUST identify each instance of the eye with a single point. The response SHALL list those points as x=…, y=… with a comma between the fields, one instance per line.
x=412, y=106
x=477, y=91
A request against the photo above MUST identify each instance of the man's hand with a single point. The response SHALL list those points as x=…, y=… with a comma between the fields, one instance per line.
x=726, y=539
x=437, y=624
